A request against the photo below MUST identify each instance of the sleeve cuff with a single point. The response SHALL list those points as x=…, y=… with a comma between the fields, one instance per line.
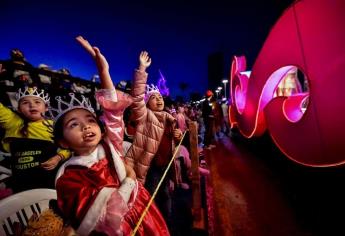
x=144, y=72
x=64, y=153
x=108, y=94
x=126, y=188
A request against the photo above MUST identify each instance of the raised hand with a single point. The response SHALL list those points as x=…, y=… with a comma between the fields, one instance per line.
x=145, y=61
x=101, y=63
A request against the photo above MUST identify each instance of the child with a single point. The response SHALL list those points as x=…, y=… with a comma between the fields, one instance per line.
x=181, y=118
x=154, y=140
x=97, y=192
x=29, y=139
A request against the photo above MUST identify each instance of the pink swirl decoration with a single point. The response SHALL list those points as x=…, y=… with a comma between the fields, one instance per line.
x=309, y=35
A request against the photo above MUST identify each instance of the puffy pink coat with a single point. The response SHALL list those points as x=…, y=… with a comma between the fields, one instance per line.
x=149, y=129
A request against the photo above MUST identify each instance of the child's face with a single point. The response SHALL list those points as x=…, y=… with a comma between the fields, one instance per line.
x=32, y=108
x=156, y=102
x=81, y=132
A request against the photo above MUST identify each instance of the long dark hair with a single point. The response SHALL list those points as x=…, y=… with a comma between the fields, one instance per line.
x=24, y=128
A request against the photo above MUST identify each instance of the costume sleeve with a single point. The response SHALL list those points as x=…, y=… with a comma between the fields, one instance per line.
x=126, y=188
x=113, y=104
x=8, y=118
x=110, y=222
x=139, y=110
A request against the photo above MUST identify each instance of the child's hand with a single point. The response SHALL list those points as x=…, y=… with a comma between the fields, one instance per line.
x=145, y=61
x=177, y=134
x=51, y=163
x=101, y=62
x=130, y=172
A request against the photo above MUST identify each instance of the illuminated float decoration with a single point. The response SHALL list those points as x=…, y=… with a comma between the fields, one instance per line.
x=308, y=127
x=161, y=84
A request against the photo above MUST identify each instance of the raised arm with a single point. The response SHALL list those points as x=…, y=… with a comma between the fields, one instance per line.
x=8, y=118
x=113, y=102
x=101, y=63
x=139, y=88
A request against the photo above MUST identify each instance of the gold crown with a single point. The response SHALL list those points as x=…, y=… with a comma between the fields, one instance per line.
x=32, y=91
x=62, y=107
x=151, y=89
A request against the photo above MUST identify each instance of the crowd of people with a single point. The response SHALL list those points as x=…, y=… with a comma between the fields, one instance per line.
x=105, y=148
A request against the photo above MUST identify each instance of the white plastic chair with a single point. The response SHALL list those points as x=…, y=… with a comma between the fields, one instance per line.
x=20, y=207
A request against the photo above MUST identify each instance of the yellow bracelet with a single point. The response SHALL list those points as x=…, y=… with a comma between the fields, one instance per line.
x=61, y=157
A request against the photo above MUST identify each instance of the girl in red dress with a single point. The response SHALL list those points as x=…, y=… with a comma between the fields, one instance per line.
x=97, y=191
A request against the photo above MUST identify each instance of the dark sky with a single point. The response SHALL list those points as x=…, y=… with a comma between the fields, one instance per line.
x=179, y=35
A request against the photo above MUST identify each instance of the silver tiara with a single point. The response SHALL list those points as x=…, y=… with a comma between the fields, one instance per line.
x=34, y=92
x=150, y=89
x=62, y=107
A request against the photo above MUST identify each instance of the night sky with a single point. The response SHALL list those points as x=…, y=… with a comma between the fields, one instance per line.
x=179, y=36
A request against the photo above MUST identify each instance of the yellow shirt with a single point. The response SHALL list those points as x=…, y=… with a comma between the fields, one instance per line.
x=12, y=123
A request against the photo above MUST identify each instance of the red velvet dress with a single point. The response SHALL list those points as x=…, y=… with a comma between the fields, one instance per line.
x=79, y=186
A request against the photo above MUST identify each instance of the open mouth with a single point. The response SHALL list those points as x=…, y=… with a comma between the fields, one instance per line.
x=88, y=136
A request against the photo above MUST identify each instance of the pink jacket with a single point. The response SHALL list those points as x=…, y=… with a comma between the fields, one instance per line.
x=149, y=130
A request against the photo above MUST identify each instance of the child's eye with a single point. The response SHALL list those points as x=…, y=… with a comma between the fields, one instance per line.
x=72, y=125
x=92, y=120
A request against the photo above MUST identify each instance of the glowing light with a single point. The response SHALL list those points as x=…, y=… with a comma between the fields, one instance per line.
x=312, y=137
x=163, y=89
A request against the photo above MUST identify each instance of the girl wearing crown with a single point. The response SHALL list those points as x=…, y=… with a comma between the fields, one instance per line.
x=97, y=192
x=29, y=139
x=154, y=140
